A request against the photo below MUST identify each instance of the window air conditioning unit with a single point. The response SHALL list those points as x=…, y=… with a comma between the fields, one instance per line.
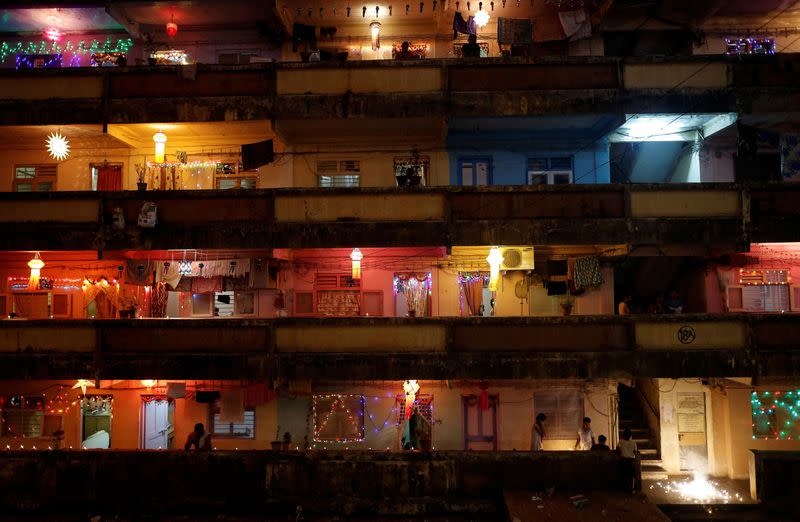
x=517, y=258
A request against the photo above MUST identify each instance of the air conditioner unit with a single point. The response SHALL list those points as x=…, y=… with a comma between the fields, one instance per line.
x=517, y=258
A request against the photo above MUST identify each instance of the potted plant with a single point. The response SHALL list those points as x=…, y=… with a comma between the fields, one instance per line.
x=566, y=306
x=287, y=441
x=277, y=444
x=141, y=184
x=150, y=47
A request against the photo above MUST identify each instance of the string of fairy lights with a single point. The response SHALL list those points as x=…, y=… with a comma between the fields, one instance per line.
x=81, y=48
x=776, y=414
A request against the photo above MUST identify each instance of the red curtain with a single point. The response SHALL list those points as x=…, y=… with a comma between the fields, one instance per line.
x=109, y=177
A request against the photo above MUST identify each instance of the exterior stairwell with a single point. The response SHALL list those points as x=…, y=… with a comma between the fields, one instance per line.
x=631, y=415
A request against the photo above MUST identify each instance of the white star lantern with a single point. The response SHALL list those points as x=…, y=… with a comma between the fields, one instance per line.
x=83, y=384
x=58, y=146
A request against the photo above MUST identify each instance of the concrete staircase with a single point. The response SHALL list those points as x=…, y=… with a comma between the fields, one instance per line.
x=631, y=416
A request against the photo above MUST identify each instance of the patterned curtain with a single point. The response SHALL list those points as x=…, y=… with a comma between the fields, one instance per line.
x=472, y=290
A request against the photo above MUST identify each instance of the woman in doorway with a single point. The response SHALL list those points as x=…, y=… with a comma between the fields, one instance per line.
x=537, y=435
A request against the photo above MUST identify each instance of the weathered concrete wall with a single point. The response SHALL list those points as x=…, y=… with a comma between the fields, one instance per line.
x=775, y=480
x=302, y=218
x=489, y=87
x=393, y=348
x=274, y=483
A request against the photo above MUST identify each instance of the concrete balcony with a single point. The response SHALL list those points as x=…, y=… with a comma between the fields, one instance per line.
x=393, y=348
x=708, y=216
x=491, y=87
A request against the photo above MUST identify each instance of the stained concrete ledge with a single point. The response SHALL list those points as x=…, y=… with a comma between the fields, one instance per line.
x=368, y=348
x=244, y=482
x=263, y=219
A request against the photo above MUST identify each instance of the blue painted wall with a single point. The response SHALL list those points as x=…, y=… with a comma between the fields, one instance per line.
x=510, y=167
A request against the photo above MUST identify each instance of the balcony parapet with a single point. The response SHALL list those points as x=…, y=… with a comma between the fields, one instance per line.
x=375, y=348
x=491, y=87
x=712, y=215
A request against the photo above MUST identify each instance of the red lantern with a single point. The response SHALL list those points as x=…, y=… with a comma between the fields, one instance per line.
x=172, y=29
x=483, y=400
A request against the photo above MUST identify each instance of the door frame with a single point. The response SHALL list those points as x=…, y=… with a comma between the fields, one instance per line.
x=142, y=427
x=494, y=401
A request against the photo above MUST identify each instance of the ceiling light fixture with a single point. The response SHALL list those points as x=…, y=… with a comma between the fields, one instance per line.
x=481, y=17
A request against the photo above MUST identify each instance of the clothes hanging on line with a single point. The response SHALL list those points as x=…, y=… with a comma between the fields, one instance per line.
x=463, y=26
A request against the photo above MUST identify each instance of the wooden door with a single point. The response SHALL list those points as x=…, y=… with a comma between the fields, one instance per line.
x=480, y=426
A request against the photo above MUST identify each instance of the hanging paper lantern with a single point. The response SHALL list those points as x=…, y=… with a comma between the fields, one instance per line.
x=483, y=400
x=356, y=256
x=411, y=388
x=160, y=139
x=375, y=34
x=494, y=259
x=57, y=146
x=172, y=29
x=36, y=264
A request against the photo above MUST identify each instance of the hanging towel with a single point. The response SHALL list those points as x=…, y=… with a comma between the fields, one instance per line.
x=463, y=26
x=587, y=272
x=576, y=24
x=139, y=272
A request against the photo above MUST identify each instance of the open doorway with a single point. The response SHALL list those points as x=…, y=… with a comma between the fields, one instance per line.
x=96, y=417
x=157, y=422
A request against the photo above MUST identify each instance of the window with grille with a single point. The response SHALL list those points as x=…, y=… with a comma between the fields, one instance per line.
x=34, y=178
x=760, y=290
x=241, y=182
x=564, y=410
x=245, y=429
x=22, y=416
x=338, y=173
x=550, y=171
x=423, y=403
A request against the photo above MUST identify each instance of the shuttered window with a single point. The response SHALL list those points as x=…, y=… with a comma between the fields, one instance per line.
x=35, y=178
x=338, y=173
x=564, y=410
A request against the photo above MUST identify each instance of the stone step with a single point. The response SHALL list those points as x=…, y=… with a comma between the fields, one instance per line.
x=653, y=472
x=648, y=453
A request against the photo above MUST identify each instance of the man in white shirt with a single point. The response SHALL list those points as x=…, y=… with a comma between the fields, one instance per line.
x=585, y=439
x=627, y=450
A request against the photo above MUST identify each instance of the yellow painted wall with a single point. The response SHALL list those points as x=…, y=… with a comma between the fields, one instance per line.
x=514, y=421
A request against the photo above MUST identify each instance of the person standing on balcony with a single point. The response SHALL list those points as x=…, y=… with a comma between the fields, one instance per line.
x=537, y=434
x=198, y=438
x=585, y=439
x=405, y=53
x=471, y=49
x=627, y=450
x=674, y=303
x=625, y=306
x=601, y=444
